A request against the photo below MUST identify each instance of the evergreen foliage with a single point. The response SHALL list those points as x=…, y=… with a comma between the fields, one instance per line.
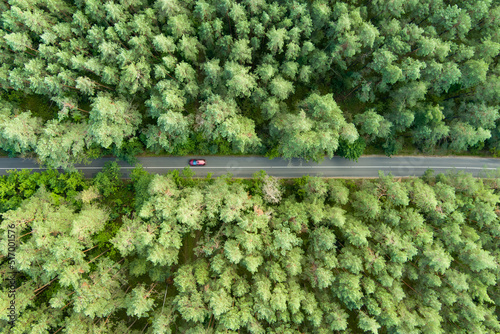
x=381, y=256
x=298, y=79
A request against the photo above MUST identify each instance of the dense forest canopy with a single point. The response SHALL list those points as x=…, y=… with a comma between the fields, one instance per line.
x=174, y=254
x=79, y=79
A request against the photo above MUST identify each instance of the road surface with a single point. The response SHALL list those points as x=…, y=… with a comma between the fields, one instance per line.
x=243, y=167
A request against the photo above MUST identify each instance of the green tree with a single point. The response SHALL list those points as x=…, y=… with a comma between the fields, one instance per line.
x=62, y=144
x=474, y=72
x=189, y=47
x=373, y=124
x=366, y=204
x=180, y=25
x=276, y=40
x=337, y=191
x=270, y=107
x=18, y=131
x=219, y=118
x=281, y=88
x=351, y=151
x=111, y=120
x=463, y=135
x=138, y=303
x=314, y=131
x=395, y=191
x=172, y=131
x=241, y=51
x=239, y=81
x=479, y=114
x=367, y=323
x=423, y=196
x=108, y=181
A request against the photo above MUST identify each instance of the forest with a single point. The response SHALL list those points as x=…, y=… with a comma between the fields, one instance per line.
x=177, y=254
x=81, y=79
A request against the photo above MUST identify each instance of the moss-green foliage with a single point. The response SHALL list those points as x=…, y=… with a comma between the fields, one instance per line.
x=330, y=255
x=351, y=151
x=201, y=77
x=20, y=185
x=108, y=181
x=140, y=182
x=129, y=150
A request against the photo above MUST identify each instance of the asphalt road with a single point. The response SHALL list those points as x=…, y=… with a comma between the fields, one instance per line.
x=245, y=166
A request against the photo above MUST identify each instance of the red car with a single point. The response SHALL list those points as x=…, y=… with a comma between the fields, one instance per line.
x=197, y=162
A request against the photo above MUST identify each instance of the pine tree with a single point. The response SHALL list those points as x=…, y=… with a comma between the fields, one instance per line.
x=19, y=133
x=111, y=120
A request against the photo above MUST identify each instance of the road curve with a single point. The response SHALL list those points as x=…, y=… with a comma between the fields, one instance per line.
x=244, y=167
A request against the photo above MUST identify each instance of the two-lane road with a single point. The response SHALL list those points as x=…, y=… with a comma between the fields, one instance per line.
x=245, y=166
